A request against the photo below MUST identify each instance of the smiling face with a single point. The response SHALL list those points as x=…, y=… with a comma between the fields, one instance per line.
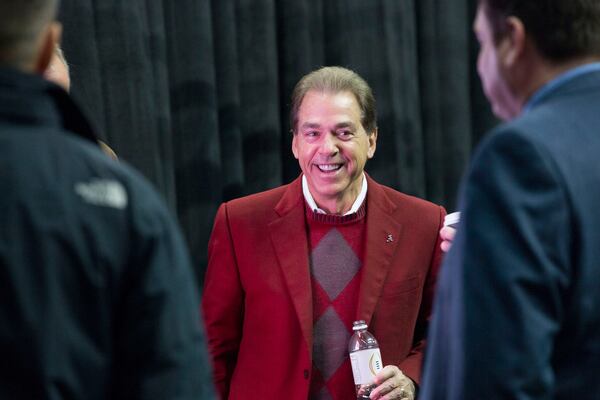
x=332, y=148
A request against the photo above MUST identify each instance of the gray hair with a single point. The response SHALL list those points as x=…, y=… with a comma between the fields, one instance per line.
x=336, y=80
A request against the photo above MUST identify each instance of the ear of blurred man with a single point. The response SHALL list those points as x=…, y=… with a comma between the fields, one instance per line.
x=58, y=70
x=47, y=42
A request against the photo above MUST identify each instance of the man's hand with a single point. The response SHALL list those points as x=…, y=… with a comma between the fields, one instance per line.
x=447, y=234
x=392, y=384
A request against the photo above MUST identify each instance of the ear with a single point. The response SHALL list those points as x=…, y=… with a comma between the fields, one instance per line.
x=372, y=143
x=512, y=46
x=295, y=144
x=49, y=39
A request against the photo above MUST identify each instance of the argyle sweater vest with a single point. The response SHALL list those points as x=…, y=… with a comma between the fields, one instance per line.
x=336, y=246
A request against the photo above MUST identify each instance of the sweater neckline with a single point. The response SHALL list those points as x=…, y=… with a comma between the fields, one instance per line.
x=334, y=219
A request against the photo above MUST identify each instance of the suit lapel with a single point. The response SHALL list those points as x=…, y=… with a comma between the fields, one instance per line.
x=383, y=235
x=288, y=235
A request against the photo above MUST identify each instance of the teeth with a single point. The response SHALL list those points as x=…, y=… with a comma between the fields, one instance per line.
x=329, y=167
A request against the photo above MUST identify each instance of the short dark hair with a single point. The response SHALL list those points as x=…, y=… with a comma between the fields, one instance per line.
x=336, y=80
x=21, y=22
x=561, y=29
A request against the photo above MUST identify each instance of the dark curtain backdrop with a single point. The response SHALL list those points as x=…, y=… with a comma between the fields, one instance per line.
x=195, y=93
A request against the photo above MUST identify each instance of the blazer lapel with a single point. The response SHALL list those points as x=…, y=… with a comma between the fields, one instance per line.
x=288, y=235
x=383, y=235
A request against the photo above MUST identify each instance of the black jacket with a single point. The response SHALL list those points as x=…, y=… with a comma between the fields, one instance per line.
x=97, y=296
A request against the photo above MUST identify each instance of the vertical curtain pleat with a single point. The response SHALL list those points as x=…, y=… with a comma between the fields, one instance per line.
x=445, y=94
x=157, y=91
x=130, y=111
x=231, y=158
x=404, y=164
x=195, y=128
x=81, y=50
x=259, y=95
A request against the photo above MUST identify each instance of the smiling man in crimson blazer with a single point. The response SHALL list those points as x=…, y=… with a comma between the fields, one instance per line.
x=291, y=268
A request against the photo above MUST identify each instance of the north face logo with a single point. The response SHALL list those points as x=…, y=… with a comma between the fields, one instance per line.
x=103, y=192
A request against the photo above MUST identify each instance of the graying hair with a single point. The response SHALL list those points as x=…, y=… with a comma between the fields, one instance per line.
x=336, y=80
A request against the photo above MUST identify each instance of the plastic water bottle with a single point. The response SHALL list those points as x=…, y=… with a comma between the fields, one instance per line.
x=365, y=358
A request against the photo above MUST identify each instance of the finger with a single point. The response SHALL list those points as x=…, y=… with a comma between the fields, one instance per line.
x=366, y=388
x=388, y=386
x=396, y=394
x=447, y=233
x=389, y=371
x=383, y=389
x=445, y=246
x=408, y=391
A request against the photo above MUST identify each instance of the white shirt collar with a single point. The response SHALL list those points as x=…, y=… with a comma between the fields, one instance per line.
x=355, y=206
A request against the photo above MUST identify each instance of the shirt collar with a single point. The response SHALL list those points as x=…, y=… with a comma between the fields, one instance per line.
x=560, y=80
x=355, y=206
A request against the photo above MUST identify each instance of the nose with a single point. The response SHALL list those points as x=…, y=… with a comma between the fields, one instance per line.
x=329, y=145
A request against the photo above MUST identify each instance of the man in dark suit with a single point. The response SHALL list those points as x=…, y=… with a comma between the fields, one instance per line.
x=517, y=312
x=97, y=296
x=291, y=268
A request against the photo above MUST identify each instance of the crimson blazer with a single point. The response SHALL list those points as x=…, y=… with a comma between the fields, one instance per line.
x=257, y=301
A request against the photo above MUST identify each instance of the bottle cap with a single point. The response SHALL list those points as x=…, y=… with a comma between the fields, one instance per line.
x=359, y=325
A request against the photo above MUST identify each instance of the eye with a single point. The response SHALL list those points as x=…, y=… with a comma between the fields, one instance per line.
x=345, y=134
x=311, y=133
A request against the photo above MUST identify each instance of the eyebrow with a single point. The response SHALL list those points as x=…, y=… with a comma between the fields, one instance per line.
x=345, y=125
x=310, y=125
x=314, y=125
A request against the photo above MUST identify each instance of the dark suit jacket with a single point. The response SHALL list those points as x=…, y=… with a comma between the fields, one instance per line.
x=517, y=313
x=258, y=303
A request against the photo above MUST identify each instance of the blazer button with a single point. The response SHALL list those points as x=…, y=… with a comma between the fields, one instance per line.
x=306, y=374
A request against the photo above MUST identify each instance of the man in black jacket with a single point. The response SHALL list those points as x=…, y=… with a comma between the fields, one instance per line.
x=97, y=297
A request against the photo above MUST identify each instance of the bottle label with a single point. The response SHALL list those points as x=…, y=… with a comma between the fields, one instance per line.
x=365, y=365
